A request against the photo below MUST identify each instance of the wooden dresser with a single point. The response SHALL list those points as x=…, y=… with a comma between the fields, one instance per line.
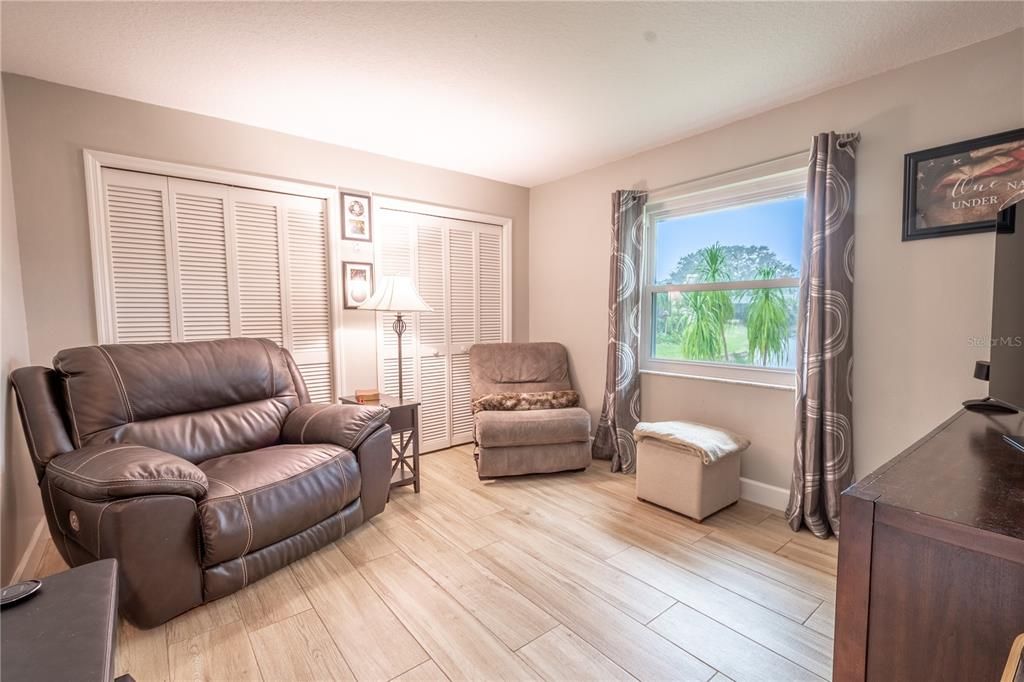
x=931, y=558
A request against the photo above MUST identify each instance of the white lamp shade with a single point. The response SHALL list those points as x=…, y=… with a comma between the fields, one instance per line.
x=396, y=294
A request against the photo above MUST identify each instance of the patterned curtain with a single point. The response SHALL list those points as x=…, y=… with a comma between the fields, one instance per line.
x=823, y=462
x=621, y=409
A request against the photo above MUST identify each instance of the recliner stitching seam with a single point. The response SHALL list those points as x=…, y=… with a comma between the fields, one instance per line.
x=302, y=432
x=273, y=374
x=76, y=476
x=133, y=481
x=53, y=507
x=375, y=422
x=120, y=383
x=101, y=452
x=248, y=544
x=99, y=521
x=245, y=510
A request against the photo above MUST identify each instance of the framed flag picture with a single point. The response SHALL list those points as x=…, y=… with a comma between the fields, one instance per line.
x=959, y=188
x=357, y=283
x=355, y=209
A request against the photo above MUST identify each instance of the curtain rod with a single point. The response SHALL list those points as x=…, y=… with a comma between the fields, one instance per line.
x=794, y=156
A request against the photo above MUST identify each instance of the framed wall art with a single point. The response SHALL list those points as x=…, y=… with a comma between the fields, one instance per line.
x=355, y=210
x=959, y=188
x=357, y=283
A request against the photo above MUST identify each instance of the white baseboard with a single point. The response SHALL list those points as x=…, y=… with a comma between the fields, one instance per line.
x=30, y=558
x=762, y=493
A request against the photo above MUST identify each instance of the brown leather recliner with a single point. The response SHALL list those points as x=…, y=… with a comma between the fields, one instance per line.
x=201, y=467
x=533, y=441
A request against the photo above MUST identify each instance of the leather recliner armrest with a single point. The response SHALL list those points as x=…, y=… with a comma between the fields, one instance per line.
x=344, y=425
x=117, y=470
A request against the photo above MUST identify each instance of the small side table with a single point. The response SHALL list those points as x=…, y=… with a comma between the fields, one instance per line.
x=66, y=631
x=404, y=422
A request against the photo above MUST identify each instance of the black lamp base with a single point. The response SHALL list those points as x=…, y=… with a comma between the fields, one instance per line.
x=399, y=327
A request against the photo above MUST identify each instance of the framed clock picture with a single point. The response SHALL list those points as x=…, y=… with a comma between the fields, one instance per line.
x=357, y=283
x=960, y=188
x=355, y=209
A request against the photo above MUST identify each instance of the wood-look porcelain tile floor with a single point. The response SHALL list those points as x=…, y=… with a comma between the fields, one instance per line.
x=558, y=577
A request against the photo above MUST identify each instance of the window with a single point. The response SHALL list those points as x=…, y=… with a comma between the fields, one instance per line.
x=722, y=276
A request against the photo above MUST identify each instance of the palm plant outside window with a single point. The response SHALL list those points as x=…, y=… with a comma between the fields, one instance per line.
x=723, y=270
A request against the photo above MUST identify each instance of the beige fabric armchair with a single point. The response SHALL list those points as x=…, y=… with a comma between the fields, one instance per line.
x=510, y=443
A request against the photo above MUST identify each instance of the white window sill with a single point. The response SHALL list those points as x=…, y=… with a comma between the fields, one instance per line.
x=760, y=378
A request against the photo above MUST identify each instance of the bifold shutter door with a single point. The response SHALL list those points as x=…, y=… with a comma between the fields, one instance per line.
x=190, y=261
x=488, y=324
x=490, y=284
x=458, y=268
x=396, y=233
x=199, y=219
x=462, y=265
x=257, y=238
x=433, y=356
x=308, y=294
x=138, y=231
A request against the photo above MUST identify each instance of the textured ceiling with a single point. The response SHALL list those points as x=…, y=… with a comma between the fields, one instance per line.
x=520, y=92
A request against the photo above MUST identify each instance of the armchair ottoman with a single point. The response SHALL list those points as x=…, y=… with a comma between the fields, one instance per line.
x=526, y=441
x=201, y=467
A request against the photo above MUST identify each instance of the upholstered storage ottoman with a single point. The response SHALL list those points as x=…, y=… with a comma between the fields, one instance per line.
x=689, y=468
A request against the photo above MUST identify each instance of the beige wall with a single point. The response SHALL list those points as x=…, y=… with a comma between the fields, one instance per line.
x=20, y=507
x=916, y=304
x=50, y=124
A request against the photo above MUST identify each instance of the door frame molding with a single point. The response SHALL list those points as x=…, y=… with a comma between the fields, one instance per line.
x=95, y=161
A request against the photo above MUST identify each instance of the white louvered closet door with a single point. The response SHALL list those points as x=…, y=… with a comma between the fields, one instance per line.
x=476, y=283
x=433, y=343
x=308, y=300
x=396, y=233
x=199, y=220
x=457, y=266
x=138, y=230
x=191, y=261
x=260, y=263
x=465, y=316
x=283, y=279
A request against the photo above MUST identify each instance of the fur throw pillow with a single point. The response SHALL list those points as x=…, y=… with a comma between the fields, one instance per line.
x=545, y=400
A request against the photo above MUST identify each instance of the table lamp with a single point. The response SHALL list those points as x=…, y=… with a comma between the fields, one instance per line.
x=397, y=295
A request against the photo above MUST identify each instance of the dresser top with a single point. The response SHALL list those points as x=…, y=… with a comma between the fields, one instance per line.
x=963, y=472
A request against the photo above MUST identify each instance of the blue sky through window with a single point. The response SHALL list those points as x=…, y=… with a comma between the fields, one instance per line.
x=777, y=225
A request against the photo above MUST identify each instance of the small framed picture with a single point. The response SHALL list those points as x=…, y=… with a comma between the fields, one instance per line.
x=355, y=210
x=357, y=283
x=959, y=188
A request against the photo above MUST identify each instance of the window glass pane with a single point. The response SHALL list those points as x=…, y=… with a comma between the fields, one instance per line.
x=753, y=327
x=754, y=240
